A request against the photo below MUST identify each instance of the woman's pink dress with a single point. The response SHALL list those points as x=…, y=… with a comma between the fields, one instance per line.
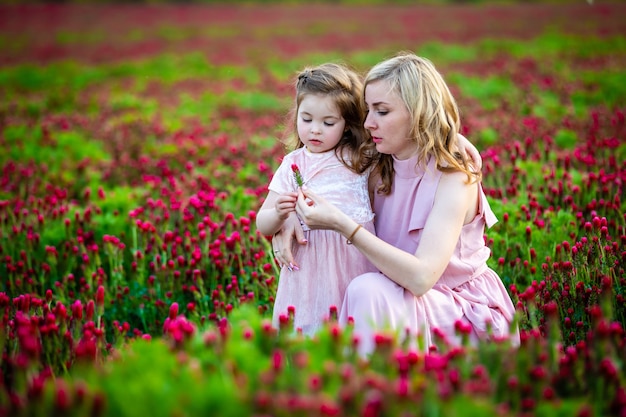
x=468, y=290
x=327, y=263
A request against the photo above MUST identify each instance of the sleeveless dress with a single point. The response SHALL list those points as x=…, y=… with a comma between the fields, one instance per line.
x=327, y=263
x=468, y=289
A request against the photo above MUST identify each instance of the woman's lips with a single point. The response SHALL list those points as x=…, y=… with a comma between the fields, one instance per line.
x=376, y=139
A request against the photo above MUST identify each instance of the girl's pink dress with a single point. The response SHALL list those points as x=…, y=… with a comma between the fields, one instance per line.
x=327, y=263
x=468, y=290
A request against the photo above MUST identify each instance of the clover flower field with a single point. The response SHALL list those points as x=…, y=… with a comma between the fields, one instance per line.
x=137, y=144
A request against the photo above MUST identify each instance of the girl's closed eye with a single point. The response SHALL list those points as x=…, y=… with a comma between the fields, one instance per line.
x=329, y=124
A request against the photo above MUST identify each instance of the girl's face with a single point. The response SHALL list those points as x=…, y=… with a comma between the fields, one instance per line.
x=320, y=124
x=388, y=120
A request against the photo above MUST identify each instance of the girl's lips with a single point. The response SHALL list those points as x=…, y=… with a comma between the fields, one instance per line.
x=376, y=139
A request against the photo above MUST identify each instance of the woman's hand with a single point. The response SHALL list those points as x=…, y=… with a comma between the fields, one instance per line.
x=282, y=241
x=318, y=213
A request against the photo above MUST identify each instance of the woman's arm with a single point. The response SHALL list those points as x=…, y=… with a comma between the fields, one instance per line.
x=455, y=204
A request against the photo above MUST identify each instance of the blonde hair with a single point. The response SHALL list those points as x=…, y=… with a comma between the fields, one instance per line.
x=345, y=87
x=435, y=119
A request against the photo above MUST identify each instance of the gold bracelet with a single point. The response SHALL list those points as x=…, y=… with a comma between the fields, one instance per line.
x=349, y=240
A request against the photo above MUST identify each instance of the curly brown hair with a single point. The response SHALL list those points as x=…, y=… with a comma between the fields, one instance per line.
x=345, y=87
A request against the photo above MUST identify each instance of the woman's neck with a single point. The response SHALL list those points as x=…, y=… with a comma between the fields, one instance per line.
x=407, y=153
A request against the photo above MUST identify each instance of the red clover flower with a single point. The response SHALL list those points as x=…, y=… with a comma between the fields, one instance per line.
x=297, y=176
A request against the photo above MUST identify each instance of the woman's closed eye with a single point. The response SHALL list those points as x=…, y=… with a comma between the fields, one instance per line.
x=378, y=112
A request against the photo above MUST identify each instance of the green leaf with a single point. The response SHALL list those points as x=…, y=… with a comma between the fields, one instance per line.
x=566, y=139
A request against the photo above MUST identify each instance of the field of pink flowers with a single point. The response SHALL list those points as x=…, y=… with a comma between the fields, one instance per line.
x=137, y=143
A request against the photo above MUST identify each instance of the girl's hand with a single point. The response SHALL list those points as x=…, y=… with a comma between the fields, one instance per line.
x=285, y=204
x=470, y=150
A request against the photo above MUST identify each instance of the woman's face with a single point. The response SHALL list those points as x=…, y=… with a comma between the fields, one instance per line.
x=388, y=120
x=320, y=124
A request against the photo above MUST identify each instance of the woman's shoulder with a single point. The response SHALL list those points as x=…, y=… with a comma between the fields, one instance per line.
x=457, y=179
x=454, y=190
x=455, y=187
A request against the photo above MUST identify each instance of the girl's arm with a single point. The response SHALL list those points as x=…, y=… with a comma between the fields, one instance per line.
x=274, y=211
x=372, y=181
x=455, y=204
x=470, y=150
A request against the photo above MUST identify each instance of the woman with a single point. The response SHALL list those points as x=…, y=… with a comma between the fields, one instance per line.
x=431, y=213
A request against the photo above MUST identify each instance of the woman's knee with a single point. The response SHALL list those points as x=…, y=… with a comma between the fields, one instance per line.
x=370, y=286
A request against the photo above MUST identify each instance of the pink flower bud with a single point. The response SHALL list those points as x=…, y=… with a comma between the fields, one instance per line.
x=248, y=333
x=100, y=296
x=173, y=311
x=402, y=387
x=77, y=310
x=277, y=360
x=62, y=400
x=89, y=310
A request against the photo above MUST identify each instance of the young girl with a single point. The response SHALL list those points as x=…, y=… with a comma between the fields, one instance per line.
x=328, y=121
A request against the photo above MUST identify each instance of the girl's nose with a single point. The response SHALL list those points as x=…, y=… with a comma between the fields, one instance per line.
x=315, y=128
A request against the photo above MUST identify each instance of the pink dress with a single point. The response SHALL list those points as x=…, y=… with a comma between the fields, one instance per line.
x=468, y=290
x=327, y=263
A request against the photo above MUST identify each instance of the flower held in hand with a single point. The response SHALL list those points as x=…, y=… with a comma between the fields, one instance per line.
x=297, y=175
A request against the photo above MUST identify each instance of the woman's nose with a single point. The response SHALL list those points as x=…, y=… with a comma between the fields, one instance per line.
x=369, y=123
